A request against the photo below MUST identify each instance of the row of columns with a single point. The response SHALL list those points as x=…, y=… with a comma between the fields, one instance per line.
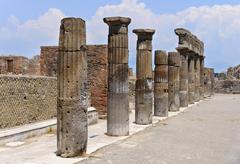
x=178, y=78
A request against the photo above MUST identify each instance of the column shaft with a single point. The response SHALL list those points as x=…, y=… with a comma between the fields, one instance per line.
x=191, y=80
x=173, y=81
x=197, y=78
x=117, y=98
x=161, y=84
x=144, y=82
x=183, y=93
x=72, y=128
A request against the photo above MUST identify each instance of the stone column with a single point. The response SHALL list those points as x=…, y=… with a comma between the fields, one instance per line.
x=144, y=82
x=191, y=79
x=173, y=81
x=161, y=84
x=72, y=128
x=117, y=99
x=207, y=82
x=183, y=93
x=197, y=78
x=212, y=81
x=201, y=77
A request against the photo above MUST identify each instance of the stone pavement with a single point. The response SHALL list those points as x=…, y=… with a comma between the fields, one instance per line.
x=41, y=149
x=208, y=134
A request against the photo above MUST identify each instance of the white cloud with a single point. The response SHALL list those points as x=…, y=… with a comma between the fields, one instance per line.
x=28, y=36
x=218, y=26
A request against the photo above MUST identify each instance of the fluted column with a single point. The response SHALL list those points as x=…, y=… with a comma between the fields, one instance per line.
x=117, y=99
x=173, y=81
x=183, y=93
x=191, y=79
x=144, y=81
x=161, y=84
x=197, y=78
x=72, y=128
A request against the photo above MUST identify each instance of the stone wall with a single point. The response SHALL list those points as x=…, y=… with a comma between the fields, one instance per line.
x=97, y=72
x=13, y=64
x=48, y=60
x=97, y=77
x=34, y=66
x=227, y=86
x=26, y=99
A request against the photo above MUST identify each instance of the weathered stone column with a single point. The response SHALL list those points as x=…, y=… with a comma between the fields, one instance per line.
x=161, y=84
x=201, y=77
x=183, y=93
x=191, y=79
x=117, y=100
x=197, y=78
x=173, y=81
x=207, y=82
x=212, y=81
x=144, y=82
x=72, y=129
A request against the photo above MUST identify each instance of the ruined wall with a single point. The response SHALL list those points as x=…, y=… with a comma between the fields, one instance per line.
x=97, y=72
x=13, y=65
x=48, y=60
x=97, y=76
x=33, y=66
x=227, y=86
x=26, y=99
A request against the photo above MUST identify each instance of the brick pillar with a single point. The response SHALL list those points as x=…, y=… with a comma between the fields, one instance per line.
x=183, y=93
x=161, y=84
x=72, y=128
x=197, y=78
x=201, y=92
x=173, y=81
x=191, y=80
x=144, y=81
x=117, y=100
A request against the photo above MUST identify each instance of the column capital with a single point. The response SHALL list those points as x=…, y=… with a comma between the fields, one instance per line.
x=117, y=20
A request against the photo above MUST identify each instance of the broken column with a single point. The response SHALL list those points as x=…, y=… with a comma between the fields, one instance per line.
x=144, y=81
x=161, y=84
x=72, y=129
x=191, y=79
x=117, y=100
x=197, y=79
x=173, y=81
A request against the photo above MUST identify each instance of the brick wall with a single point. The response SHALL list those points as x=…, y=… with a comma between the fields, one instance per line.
x=97, y=76
x=26, y=99
x=34, y=66
x=97, y=72
x=13, y=65
x=48, y=60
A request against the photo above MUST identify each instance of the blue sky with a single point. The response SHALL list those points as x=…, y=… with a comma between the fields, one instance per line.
x=27, y=25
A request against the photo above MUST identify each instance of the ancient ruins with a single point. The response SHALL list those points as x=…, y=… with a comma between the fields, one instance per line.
x=97, y=76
